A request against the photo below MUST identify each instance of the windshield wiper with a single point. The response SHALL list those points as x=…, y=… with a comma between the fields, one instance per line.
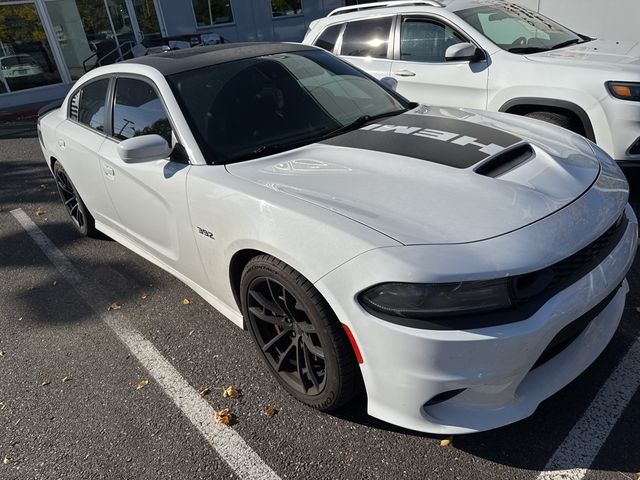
x=528, y=49
x=362, y=121
x=573, y=41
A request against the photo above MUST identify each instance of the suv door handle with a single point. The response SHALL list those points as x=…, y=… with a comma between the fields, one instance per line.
x=405, y=73
x=109, y=172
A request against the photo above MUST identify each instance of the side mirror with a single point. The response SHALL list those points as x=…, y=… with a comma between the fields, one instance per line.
x=390, y=83
x=143, y=149
x=463, y=52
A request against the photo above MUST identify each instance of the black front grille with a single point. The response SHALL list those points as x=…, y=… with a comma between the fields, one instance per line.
x=545, y=283
x=579, y=264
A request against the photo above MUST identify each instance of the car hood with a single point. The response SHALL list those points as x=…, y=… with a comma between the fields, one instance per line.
x=436, y=176
x=602, y=52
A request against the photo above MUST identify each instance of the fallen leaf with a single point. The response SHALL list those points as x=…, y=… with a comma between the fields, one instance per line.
x=45, y=383
x=191, y=332
x=7, y=460
x=230, y=392
x=445, y=442
x=204, y=391
x=142, y=383
x=39, y=212
x=270, y=411
x=186, y=301
x=144, y=296
x=115, y=306
x=223, y=416
x=3, y=405
x=66, y=379
x=1, y=353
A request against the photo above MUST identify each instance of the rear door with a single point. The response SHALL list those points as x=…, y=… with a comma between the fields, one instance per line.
x=425, y=76
x=78, y=141
x=367, y=44
x=150, y=196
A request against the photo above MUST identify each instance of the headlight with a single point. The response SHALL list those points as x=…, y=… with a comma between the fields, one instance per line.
x=410, y=300
x=625, y=90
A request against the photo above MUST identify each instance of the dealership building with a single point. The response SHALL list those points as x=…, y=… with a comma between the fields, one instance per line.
x=45, y=45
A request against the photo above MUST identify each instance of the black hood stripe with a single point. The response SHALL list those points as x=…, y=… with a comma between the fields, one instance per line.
x=447, y=141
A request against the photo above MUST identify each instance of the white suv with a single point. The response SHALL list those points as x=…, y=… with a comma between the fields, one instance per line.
x=496, y=56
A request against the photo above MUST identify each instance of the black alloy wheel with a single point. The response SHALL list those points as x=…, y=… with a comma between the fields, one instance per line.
x=298, y=335
x=80, y=216
x=286, y=336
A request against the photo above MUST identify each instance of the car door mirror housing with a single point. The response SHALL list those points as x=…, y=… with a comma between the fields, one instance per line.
x=389, y=82
x=143, y=149
x=463, y=52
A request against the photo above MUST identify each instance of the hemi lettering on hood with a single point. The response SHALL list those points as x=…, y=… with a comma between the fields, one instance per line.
x=443, y=140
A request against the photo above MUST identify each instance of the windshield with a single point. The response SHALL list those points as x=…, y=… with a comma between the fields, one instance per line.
x=259, y=106
x=518, y=29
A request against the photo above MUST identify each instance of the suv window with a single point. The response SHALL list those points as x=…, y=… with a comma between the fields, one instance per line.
x=137, y=110
x=367, y=38
x=425, y=40
x=88, y=104
x=329, y=37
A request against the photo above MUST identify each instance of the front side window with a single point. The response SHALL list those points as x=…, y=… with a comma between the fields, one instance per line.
x=367, y=38
x=518, y=29
x=87, y=106
x=423, y=40
x=282, y=8
x=212, y=12
x=329, y=38
x=258, y=106
x=137, y=110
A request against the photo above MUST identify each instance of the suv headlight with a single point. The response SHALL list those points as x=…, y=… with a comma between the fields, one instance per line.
x=412, y=300
x=625, y=90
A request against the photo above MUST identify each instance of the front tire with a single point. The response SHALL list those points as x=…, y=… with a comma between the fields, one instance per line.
x=298, y=335
x=559, y=119
x=80, y=216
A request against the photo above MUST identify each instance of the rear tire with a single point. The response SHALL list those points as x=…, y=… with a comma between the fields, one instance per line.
x=298, y=335
x=80, y=216
x=560, y=119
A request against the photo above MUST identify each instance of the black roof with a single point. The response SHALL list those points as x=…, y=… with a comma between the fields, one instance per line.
x=182, y=60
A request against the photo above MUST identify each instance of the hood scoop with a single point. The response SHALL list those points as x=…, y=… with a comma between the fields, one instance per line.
x=506, y=160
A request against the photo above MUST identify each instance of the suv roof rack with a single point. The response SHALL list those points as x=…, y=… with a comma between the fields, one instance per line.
x=395, y=3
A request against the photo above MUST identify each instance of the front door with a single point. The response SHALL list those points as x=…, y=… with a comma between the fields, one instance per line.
x=425, y=76
x=150, y=196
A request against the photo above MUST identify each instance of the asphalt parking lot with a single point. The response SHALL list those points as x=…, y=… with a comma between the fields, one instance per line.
x=70, y=406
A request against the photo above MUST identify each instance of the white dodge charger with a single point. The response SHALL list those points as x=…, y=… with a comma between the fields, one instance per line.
x=459, y=266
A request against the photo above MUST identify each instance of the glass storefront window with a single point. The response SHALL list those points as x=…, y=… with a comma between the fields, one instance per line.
x=147, y=17
x=283, y=8
x=26, y=60
x=212, y=12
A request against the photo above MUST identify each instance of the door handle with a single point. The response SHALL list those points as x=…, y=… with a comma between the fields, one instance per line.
x=405, y=73
x=109, y=172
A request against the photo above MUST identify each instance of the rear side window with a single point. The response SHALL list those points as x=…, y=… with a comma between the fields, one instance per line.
x=88, y=104
x=423, y=40
x=367, y=38
x=137, y=110
x=329, y=37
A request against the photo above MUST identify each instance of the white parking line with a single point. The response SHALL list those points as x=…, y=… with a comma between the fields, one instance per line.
x=226, y=441
x=574, y=456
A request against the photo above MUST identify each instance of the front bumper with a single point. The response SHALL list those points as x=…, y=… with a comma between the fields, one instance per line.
x=406, y=367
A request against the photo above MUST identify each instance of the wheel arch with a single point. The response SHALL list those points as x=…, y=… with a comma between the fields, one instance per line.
x=523, y=105
x=237, y=263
